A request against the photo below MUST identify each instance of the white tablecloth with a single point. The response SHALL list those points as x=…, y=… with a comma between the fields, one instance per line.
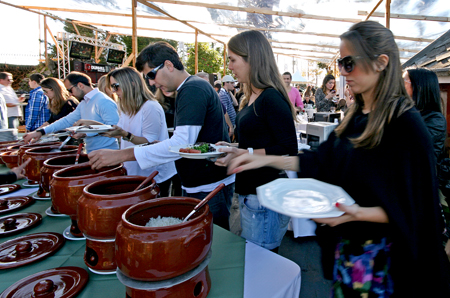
x=269, y=275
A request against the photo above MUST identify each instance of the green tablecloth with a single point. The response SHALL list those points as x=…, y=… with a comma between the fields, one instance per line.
x=226, y=266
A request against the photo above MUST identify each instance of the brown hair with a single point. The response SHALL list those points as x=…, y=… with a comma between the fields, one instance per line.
x=254, y=48
x=327, y=78
x=56, y=103
x=368, y=40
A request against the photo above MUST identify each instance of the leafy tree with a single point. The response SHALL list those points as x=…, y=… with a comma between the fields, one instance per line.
x=142, y=42
x=209, y=59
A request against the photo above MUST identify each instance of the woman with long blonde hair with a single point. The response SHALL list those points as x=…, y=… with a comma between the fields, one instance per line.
x=103, y=87
x=60, y=102
x=264, y=125
x=141, y=121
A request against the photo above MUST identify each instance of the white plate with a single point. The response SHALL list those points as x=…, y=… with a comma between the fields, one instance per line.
x=68, y=235
x=59, y=134
x=303, y=198
x=36, y=197
x=176, y=149
x=26, y=184
x=49, y=212
x=95, y=128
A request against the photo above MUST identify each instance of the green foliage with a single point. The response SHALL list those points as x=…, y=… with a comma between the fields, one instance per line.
x=142, y=42
x=210, y=60
x=322, y=65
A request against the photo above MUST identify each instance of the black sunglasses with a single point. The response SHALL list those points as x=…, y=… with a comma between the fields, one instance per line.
x=348, y=63
x=115, y=87
x=151, y=75
x=70, y=89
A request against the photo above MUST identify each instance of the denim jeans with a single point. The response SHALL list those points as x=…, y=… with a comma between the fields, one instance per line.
x=219, y=205
x=260, y=225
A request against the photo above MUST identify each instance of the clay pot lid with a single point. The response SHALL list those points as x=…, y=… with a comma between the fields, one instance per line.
x=16, y=223
x=28, y=249
x=8, y=188
x=14, y=203
x=59, y=282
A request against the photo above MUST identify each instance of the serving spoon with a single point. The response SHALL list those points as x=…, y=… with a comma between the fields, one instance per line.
x=147, y=180
x=204, y=201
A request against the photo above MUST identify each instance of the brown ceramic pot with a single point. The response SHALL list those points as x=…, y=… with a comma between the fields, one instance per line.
x=25, y=147
x=3, y=146
x=99, y=255
x=10, y=156
x=39, y=155
x=195, y=287
x=54, y=164
x=152, y=254
x=66, y=187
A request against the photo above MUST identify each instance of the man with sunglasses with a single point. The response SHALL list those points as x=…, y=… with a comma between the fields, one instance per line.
x=198, y=118
x=94, y=105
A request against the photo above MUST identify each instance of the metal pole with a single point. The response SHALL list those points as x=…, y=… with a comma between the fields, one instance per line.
x=196, y=51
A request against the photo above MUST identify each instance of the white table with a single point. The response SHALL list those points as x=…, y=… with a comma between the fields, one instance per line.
x=269, y=275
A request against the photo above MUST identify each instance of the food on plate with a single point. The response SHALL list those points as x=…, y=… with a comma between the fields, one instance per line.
x=199, y=148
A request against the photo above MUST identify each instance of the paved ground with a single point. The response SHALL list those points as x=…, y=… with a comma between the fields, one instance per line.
x=304, y=251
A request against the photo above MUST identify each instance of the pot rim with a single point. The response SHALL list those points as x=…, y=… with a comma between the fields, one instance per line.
x=29, y=151
x=61, y=156
x=34, y=145
x=166, y=200
x=118, y=196
x=81, y=165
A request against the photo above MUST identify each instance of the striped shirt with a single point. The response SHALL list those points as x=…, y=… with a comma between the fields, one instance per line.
x=38, y=112
x=228, y=103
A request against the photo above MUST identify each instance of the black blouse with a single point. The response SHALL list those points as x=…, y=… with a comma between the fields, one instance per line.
x=66, y=109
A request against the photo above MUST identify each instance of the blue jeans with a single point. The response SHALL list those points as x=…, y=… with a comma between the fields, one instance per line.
x=260, y=225
x=219, y=205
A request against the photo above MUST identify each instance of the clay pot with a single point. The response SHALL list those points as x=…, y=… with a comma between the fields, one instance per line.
x=10, y=156
x=54, y=164
x=66, y=187
x=25, y=147
x=158, y=253
x=39, y=155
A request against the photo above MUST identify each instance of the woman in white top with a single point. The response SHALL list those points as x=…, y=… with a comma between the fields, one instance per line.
x=141, y=121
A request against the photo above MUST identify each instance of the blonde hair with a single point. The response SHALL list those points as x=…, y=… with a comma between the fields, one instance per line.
x=56, y=103
x=369, y=40
x=103, y=86
x=255, y=49
x=161, y=98
x=134, y=90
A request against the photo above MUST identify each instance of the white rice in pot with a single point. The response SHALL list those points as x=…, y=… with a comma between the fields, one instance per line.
x=163, y=221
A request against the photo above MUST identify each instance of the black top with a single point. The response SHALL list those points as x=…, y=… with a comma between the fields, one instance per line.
x=266, y=124
x=198, y=104
x=7, y=178
x=66, y=109
x=400, y=176
x=437, y=127
x=169, y=113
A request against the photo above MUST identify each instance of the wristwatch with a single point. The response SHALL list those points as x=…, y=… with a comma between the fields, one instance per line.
x=129, y=137
x=42, y=131
x=250, y=150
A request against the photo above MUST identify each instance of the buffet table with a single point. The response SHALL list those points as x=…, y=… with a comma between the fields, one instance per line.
x=265, y=274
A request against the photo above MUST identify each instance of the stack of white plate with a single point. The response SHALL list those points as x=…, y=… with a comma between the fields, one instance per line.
x=8, y=134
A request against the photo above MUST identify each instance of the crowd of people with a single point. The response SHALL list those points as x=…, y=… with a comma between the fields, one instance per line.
x=384, y=153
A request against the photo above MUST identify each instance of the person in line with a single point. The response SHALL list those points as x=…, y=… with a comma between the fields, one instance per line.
x=11, y=99
x=392, y=234
x=308, y=97
x=294, y=95
x=38, y=112
x=218, y=87
x=3, y=113
x=14, y=174
x=228, y=100
x=103, y=87
x=198, y=118
x=94, y=105
x=141, y=121
x=203, y=75
x=264, y=125
x=324, y=96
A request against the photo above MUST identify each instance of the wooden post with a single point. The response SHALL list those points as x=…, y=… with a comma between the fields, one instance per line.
x=196, y=51
x=45, y=41
x=39, y=28
x=76, y=28
x=134, y=37
x=96, y=48
x=388, y=13
x=224, y=59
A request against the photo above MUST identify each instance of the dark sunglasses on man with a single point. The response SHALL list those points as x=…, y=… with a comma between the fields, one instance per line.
x=151, y=75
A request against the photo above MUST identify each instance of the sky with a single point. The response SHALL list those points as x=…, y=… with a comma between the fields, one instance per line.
x=22, y=30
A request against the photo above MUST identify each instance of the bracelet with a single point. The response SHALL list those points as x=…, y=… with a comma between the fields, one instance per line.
x=250, y=151
x=41, y=131
x=131, y=138
x=287, y=161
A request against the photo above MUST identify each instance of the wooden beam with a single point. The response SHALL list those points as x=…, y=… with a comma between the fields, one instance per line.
x=388, y=13
x=303, y=56
x=76, y=28
x=55, y=41
x=303, y=50
x=100, y=51
x=45, y=41
x=407, y=16
x=183, y=22
x=196, y=52
x=373, y=10
x=296, y=56
x=224, y=59
x=129, y=59
x=258, y=10
x=134, y=42
x=95, y=47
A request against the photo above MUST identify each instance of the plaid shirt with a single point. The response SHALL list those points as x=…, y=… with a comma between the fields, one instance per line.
x=38, y=112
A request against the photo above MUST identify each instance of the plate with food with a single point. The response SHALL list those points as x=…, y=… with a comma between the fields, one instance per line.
x=90, y=128
x=198, y=151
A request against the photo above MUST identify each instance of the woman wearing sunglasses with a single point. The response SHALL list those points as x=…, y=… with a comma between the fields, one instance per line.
x=324, y=95
x=61, y=103
x=387, y=244
x=141, y=121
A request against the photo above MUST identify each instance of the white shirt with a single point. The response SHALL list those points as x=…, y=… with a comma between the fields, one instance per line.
x=149, y=123
x=11, y=97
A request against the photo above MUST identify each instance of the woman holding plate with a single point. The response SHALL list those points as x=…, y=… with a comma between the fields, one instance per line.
x=382, y=156
x=264, y=125
x=141, y=121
